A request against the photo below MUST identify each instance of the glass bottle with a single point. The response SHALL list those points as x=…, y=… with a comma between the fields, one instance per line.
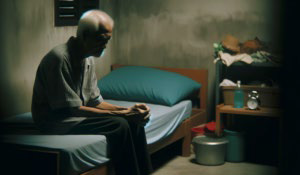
x=238, y=96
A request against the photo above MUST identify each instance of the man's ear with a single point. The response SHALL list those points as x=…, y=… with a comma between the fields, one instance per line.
x=85, y=35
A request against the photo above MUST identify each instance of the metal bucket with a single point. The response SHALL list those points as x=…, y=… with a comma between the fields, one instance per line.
x=209, y=150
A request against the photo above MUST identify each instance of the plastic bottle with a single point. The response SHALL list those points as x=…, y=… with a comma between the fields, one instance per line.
x=238, y=96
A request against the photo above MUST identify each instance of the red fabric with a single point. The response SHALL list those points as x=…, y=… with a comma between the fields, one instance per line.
x=204, y=129
x=198, y=130
x=210, y=127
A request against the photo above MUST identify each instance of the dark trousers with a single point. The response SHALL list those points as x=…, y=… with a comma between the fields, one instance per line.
x=127, y=146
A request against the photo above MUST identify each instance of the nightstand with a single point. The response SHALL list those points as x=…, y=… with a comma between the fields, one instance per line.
x=229, y=109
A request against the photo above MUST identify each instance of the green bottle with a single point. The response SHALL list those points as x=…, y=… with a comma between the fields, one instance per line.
x=238, y=96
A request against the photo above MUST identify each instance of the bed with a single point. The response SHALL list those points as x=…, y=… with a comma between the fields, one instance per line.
x=168, y=124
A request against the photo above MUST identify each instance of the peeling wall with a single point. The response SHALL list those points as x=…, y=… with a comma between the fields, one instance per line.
x=176, y=33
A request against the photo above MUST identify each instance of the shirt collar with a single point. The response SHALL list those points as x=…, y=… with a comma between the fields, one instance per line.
x=75, y=49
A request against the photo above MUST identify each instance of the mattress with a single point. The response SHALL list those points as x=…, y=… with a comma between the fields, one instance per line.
x=77, y=153
x=22, y=123
x=83, y=152
x=163, y=119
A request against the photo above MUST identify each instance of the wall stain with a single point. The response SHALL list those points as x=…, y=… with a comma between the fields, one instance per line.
x=181, y=33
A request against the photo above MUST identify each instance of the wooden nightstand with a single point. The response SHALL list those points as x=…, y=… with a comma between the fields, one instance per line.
x=229, y=109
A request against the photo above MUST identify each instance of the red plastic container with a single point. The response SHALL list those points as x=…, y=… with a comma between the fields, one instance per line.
x=198, y=130
x=207, y=129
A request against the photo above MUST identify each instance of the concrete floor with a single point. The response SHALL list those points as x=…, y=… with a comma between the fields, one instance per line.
x=168, y=162
x=186, y=166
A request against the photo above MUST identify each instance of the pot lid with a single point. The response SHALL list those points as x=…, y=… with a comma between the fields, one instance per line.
x=204, y=140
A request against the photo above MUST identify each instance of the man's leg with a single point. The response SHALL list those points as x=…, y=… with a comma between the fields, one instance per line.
x=140, y=143
x=122, y=143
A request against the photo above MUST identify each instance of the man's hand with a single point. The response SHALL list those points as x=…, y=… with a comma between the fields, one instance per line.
x=138, y=113
x=143, y=110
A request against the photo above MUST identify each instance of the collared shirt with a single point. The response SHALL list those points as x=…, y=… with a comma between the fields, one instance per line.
x=64, y=79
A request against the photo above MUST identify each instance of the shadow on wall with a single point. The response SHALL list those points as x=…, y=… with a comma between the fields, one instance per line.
x=27, y=34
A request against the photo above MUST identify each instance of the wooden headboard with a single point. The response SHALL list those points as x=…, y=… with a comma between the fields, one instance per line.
x=199, y=75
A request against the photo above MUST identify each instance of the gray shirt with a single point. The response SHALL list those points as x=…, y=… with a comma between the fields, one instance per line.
x=63, y=82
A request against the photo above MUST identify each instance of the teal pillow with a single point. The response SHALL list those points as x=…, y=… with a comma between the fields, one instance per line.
x=149, y=85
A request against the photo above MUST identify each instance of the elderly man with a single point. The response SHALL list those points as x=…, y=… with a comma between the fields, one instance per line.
x=66, y=99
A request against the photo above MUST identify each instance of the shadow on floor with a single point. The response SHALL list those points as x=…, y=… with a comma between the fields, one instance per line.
x=163, y=156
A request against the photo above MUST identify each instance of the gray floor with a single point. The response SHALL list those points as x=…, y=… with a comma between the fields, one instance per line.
x=185, y=166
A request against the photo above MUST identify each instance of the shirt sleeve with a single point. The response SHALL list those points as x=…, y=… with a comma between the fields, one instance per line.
x=95, y=96
x=60, y=88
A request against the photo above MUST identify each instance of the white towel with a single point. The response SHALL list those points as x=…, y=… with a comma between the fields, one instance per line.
x=228, y=59
x=227, y=82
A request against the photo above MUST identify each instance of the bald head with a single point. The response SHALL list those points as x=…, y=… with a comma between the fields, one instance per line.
x=94, y=31
x=94, y=21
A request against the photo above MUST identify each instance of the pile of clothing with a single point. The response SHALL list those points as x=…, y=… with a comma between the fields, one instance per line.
x=230, y=50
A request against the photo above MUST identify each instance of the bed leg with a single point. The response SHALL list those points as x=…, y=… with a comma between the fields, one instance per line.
x=186, y=143
x=186, y=146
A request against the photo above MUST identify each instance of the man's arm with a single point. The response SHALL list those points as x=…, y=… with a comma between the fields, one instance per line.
x=137, y=113
x=107, y=106
x=138, y=109
x=93, y=112
x=109, y=111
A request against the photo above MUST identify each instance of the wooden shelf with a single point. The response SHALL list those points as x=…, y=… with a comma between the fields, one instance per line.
x=229, y=109
x=262, y=111
x=253, y=64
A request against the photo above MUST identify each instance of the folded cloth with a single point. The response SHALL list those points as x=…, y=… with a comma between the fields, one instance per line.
x=227, y=82
x=228, y=59
x=261, y=56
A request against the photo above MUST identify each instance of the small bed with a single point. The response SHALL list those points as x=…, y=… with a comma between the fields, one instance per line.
x=80, y=154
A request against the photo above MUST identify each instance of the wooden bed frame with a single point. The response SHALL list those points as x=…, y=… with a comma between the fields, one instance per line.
x=183, y=132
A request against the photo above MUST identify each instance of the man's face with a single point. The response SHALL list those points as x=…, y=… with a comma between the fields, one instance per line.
x=96, y=42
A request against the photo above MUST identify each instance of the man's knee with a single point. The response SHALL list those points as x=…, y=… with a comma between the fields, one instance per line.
x=121, y=122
